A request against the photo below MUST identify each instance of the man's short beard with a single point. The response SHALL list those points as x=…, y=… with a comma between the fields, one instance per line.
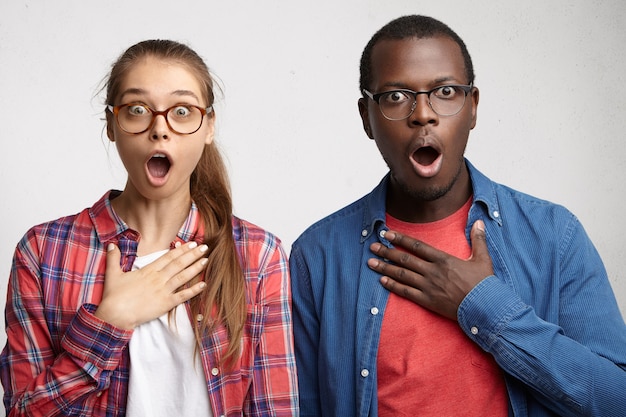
x=431, y=193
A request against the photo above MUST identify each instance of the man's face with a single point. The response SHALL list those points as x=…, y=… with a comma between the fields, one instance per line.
x=425, y=151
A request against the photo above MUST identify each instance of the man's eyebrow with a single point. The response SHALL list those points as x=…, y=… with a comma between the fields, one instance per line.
x=434, y=83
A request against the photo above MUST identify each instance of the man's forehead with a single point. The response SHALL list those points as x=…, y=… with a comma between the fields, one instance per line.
x=438, y=57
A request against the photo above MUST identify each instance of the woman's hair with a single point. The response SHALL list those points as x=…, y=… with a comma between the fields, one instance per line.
x=224, y=299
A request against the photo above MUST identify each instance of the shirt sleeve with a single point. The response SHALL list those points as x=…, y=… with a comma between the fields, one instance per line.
x=306, y=334
x=41, y=378
x=574, y=367
x=274, y=385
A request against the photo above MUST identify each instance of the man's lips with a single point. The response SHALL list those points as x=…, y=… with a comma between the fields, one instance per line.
x=425, y=155
x=427, y=161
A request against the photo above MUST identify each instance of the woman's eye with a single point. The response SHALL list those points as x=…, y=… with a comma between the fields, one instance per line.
x=138, y=110
x=396, y=97
x=446, y=91
x=181, y=111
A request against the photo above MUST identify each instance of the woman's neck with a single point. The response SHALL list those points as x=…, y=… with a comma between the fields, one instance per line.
x=157, y=222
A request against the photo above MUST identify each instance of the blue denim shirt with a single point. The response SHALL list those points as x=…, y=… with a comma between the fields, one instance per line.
x=547, y=315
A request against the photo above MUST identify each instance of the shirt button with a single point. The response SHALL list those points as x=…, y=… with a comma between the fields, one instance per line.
x=474, y=330
x=496, y=214
x=374, y=310
x=364, y=232
x=382, y=233
x=365, y=373
x=199, y=317
x=215, y=371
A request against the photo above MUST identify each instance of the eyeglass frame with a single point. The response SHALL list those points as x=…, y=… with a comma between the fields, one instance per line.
x=376, y=98
x=115, y=110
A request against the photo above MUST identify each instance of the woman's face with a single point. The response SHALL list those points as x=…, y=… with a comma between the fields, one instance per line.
x=160, y=161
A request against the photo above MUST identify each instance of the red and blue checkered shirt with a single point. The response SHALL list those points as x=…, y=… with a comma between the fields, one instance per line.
x=62, y=360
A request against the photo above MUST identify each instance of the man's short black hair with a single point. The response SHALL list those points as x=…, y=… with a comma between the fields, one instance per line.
x=413, y=26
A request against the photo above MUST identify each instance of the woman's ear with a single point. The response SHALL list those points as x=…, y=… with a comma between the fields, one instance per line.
x=210, y=134
x=109, y=121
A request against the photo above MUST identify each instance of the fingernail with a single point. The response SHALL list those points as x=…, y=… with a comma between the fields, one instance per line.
x=177, y=244
x=204, y=261
x=193, y=245
x=110, y=247
x=480, y=225
x=203, y=248
x=372, y=262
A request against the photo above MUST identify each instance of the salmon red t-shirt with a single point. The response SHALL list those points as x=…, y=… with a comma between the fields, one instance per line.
x=427, y=366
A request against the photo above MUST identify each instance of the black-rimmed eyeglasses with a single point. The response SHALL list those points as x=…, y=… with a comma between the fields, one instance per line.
x=445, y=100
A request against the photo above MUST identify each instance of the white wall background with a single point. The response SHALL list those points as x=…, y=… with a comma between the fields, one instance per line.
x=551, y=114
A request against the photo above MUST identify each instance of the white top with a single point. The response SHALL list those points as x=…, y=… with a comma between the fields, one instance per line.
x=166, y=378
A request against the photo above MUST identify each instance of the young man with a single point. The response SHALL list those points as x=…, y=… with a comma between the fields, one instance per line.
x=442, y=293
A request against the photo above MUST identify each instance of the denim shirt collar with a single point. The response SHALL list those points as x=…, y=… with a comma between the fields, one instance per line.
x=484, y=194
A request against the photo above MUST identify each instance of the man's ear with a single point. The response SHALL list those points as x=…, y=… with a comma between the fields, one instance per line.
x=362, y=103
x=474, y=94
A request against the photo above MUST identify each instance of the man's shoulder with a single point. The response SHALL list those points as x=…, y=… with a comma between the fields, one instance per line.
x=342, y=220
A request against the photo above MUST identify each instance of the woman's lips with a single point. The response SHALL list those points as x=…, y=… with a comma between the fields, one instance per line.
x=158, y=167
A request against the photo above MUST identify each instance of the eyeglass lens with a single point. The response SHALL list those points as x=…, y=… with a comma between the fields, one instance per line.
x=137, y=118
x=445, y=101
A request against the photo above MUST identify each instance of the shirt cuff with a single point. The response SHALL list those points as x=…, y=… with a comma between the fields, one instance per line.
x=95, y=344
x=487, y=309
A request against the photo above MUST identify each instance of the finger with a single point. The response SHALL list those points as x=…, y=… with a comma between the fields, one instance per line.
x=397, y=273
x=187, y=274
x=400, y=257
x=179, y=258
x=478, y=237
x=188, y=293
x=113, y=258
x=414, y=246
x=413, y=294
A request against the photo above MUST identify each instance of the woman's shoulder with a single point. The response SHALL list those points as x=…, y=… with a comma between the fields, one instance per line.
x=248, y=233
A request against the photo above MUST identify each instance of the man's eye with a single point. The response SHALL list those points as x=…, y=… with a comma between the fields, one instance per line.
x=445, y=92
x=138, y=110
x=396, y=97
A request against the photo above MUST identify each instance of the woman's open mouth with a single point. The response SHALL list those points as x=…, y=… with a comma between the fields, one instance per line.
x=158, y=166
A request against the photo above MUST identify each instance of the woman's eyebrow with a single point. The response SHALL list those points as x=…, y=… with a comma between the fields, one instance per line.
x=141, y=91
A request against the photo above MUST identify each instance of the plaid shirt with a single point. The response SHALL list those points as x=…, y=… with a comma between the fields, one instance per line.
x=61, y=360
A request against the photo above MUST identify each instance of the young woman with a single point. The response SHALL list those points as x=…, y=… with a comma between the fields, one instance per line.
x=156, y=301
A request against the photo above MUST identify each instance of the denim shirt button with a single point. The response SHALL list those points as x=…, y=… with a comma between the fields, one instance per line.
x=364, y=232
x=365, y=373
x=374, y=311
x=474, y=330
x=496, y=214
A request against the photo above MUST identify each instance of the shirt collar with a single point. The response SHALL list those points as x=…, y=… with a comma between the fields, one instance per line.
x=109, y=226
x=482, y=187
